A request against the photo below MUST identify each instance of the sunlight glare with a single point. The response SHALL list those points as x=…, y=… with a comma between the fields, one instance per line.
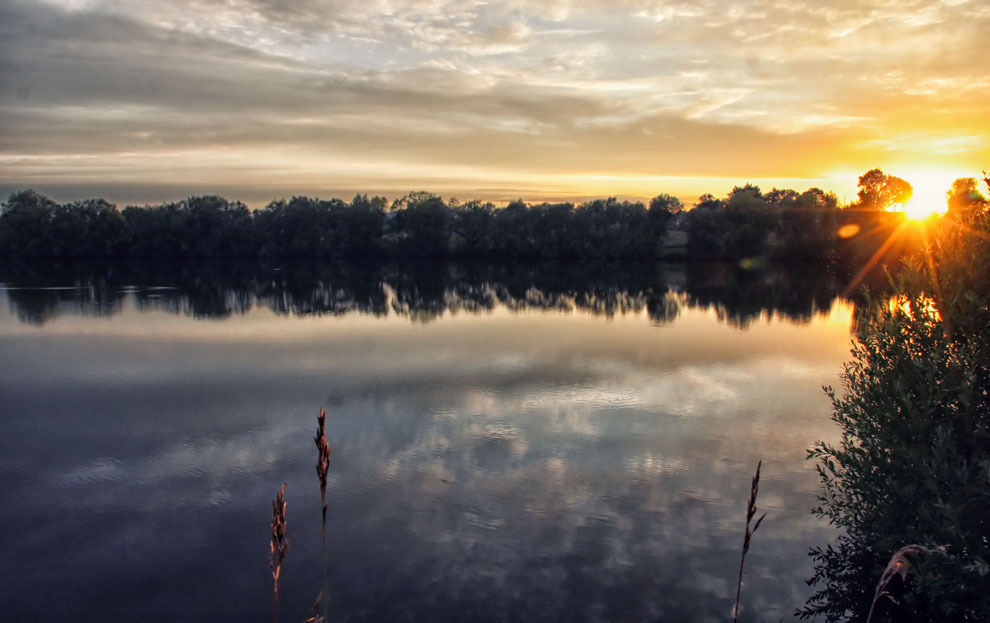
x=929, y=196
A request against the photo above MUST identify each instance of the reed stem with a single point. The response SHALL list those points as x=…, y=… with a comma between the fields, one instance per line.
x=750, y=513
x=278, y=546
x=322, y=468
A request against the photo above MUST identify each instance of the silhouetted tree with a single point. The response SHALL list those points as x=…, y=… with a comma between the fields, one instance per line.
x=212, y=226
x=98, y=229
x=706, y=226
x=663, y=208
x=745, y=224
x=807, y=224
x=778, y=196
x=879, y=191
x=514, y=232
x=359, y=226
x=554, y=230
x=421, y=225
x=964, y=201
x=473, y=224
x=749, y=221
x=25, y=225
x=299, y=227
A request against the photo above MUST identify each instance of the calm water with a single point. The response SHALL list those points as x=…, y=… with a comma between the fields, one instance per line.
x=509, y=444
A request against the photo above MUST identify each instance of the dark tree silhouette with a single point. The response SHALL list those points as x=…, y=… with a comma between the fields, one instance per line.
x=746, y=225
x=879, y=191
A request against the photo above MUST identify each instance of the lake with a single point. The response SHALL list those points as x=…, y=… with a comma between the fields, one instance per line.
x=509, y=443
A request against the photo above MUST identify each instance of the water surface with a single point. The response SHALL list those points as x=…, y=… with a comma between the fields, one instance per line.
x=514, y=443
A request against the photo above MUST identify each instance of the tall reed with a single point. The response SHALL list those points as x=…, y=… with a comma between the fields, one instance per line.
x=322, y=467
x=278, y=546
x=750, y=513
x=897, y=567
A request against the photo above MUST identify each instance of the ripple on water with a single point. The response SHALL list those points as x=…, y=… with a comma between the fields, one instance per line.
x=102, y=469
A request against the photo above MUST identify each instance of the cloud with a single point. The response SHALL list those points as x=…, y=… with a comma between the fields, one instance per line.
x=512, y=89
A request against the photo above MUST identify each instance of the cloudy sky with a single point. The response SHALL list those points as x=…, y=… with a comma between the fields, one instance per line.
x=151, y=100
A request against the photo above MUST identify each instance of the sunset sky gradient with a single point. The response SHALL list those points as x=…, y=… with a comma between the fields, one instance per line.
x=153, y=100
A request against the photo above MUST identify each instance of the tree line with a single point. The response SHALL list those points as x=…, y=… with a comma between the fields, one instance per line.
x=747, y=223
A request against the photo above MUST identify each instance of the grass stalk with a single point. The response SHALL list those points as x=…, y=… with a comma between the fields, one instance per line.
x=278, y=546
x=322, y=467
x=750, y=513
x=898, y=566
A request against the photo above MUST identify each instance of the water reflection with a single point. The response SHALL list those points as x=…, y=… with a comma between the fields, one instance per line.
x=421, y=291
x=486, y=466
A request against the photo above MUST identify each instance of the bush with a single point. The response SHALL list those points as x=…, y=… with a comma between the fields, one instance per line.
x=913, y=465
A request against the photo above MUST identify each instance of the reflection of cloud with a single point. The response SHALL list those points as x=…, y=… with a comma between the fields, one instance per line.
x=598, y=473
x=636, y=520
x=175, y=467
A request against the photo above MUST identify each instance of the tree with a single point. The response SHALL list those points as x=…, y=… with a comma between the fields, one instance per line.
x=24, y=224
x=663, y=208
x=299, y=227
x=778, y=196
x=965, y=202
x=912, y=465
x=363, y=225
x=807, y=224
x=514, y=231
x=215, y=227
x=422, y=224
x=706, y=228
x=89, y=228
x=708, y=201
x=879, y=191
x=748, y=222
x=629, y=233
x=554, y=228
x=473, y=223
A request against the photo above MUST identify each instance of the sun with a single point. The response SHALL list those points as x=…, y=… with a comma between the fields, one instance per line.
x=929, y=195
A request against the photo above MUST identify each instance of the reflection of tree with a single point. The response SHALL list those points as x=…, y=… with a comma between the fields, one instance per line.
x=741, y=295
x=36, y=298
x=421, y=290
x=305, y=289
x=209, y=290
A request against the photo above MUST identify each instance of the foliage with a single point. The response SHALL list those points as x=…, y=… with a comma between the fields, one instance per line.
x=912, y=465
x=311, y=228
x=472, y=224
x=706, y=226
x=421, y=225
x=807, y=224
x=663, y=208
x=879, y=191
x=749, y=220
x=747, y=225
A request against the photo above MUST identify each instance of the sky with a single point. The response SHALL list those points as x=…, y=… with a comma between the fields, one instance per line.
x=144, y=101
